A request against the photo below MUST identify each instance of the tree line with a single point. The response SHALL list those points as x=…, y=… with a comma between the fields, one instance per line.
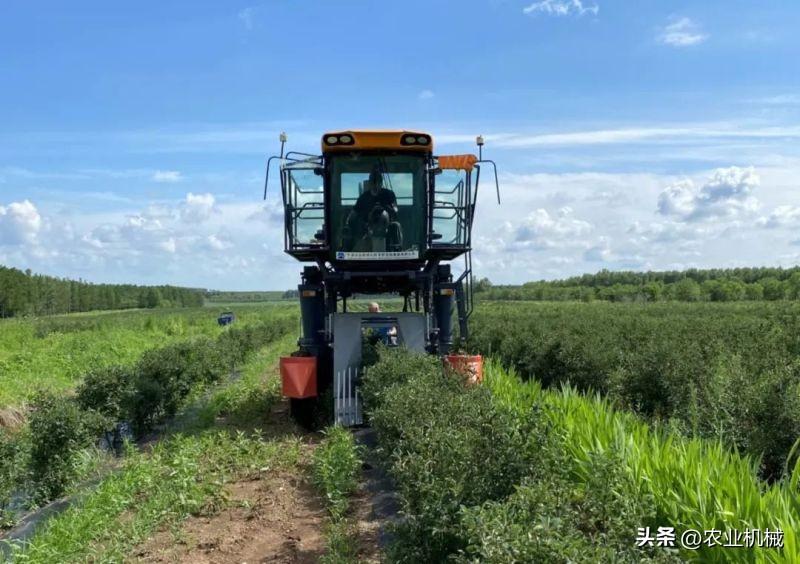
x=25, y=293
x=217, y=296
x=693, y=285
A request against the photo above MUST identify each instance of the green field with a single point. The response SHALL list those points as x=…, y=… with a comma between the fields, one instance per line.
x=594, y=419
x=54, y=352
x=727, y=372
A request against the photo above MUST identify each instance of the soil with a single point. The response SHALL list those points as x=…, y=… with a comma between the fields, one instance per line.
x=277, y=519
x=368, y=527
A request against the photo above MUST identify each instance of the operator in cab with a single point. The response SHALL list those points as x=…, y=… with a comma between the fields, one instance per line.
x=376, y=200
x=373, y=222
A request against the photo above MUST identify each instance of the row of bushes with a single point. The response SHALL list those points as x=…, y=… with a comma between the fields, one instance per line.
x=506, y=472
x=728, y=372
x=453, y=451
x=716, y=285
x=43, y=457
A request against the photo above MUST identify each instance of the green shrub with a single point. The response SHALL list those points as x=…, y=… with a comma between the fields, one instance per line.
x=164, y=377
x=396, y=367
x=58, y=429
x=48, y=456
x=107, y=392
x=768, y=409
x=448, y=447
x=145, y=406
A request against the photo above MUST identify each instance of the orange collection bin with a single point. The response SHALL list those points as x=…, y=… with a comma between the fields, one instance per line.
x=299, y=376
x=470, y=366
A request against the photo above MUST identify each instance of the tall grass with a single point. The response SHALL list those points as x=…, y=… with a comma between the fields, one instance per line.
x=693, y=483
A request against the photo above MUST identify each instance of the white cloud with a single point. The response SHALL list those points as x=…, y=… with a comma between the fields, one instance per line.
x=425, y=95
x=779, y=100
x=711, y=132
x=167, y=176
x=245, y=16
x=197, y=207
x=677, y=199
x=600, y=252
x=138, y=232
x=540, y=230
x=673, y=233
x=561, y=8
x=20, y=223
x=271, y=212
x=727, y=194
x=682, y=32
x=711, y=220
x=215, y=243
x=153, y=245
x=168, y=245
x=781, y=216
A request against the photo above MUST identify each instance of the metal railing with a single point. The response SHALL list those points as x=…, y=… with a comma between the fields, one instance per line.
x=347, y=397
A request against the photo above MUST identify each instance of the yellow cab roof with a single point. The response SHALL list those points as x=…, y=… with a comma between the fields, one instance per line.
x=372, y=139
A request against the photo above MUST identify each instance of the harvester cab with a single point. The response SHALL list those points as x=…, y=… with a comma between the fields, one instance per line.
x=376, y=213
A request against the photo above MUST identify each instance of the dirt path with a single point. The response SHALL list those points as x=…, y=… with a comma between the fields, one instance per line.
x=367, y=525
x=279, y=519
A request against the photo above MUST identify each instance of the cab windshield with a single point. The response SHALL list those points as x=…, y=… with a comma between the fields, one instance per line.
x=377, y=207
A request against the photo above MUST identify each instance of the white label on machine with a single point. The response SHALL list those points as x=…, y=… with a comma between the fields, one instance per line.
x=378, y=255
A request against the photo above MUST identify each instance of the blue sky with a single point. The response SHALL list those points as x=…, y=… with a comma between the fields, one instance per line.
x=644, y=135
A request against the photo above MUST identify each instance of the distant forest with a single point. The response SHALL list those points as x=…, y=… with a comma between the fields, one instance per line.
x=713, y=285
x=25, y=293
x=217, y=296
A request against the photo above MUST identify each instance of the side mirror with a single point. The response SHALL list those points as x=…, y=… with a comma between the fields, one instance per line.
x=436, y=171
x=319, y=171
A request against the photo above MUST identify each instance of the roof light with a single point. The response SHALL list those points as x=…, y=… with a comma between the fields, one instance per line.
x=345, y=139
x=331, y=139
x=410, y=139
x=422, y=140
